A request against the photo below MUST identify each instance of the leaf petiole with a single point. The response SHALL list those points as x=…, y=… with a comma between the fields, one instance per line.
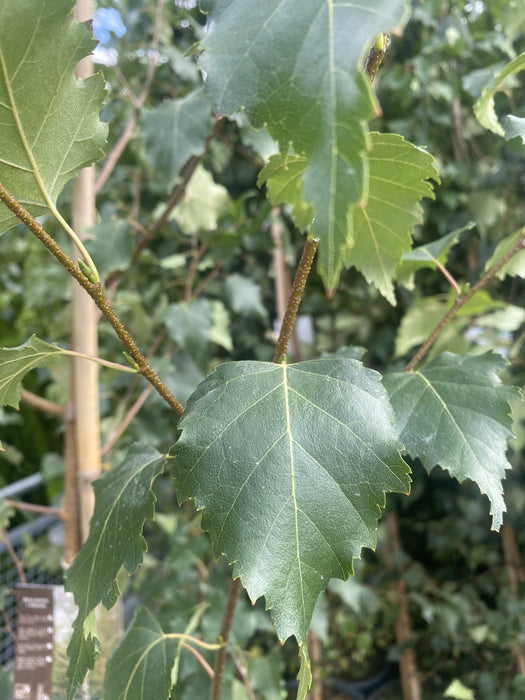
x=93, y=275
x=105, y=363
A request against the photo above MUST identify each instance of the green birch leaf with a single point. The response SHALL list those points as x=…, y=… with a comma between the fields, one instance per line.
x=172, y=133
x=516, y=265
x=6, y=683
x=15, y=363
x=425, y=314
x=111, y=245
x=455, y=412
x=284, y=178
x=244, y=296
x=194, y=324
x=141, y=666
x=290, y=464
x=419, y=322
x=203, y=204
x=123, y=501
x=49, y=125
x=510, y=126
x=381, y=229
x=292, y=66
x=431, y=255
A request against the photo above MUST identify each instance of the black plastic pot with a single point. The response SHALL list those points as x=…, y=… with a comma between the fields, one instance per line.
x=367, y=689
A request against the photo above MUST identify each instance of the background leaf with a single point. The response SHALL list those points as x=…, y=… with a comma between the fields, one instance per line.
x=112, y=246
x=381, y=229
x=123, y=501
x=484, y=109
x=244, y=296
x=426, y=312
x=429, y=255
x=203, y=204
x=15, y=363
x=291, y=465
x=173, y=132
x=455, y=412
x=196, y=323
x=305, y=56
x=141, y=665
x=284, y=178
x=516, y=265
x=49, y=132
x=6, y=683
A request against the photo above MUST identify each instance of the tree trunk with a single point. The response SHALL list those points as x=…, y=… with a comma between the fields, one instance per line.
x=516, y=574
x=410, y=683
x=83, y=434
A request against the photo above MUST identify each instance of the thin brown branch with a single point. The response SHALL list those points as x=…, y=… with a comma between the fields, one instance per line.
x=7, y=628
x=137, y=102
x=197, y=253
x=127, y=87
x=35, y=508
x=212, y=274
x=516, y=574
x=41, y=404
x=461, y=301
x=96, y=293
x=200, y=658
x=14, y=557
x=410, y=683
x=224, y=636
x=283, y=284
x=513, y=560
x=128, y=418
x=292, y=307
x=117, y=150
x=176, y=198
x=448, y=276
x=243, y=673
x=153, y=53
x=137, y=404
x=315, y=650
x=178, y=193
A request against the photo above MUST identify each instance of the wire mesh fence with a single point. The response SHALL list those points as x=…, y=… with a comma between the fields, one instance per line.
x=9, y=575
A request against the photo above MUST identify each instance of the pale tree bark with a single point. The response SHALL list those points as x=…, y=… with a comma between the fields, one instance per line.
x=83, y=435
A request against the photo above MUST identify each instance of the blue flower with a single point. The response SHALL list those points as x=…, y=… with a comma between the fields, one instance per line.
x=106, y=20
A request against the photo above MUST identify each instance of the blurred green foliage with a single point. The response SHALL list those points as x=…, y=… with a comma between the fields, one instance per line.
x=200, y=295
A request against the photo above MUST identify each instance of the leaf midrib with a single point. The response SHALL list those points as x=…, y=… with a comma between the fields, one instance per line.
x=132, y=476
x=294, y=497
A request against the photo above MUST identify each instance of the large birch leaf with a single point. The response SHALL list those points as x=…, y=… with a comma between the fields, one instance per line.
x=49, y=125
x=455, y=412
x=123, y=501
x=381, y=229
x=290, y=464
x=292, y=66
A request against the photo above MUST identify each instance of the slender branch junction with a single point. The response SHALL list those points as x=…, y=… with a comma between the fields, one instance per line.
x=96, y=293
